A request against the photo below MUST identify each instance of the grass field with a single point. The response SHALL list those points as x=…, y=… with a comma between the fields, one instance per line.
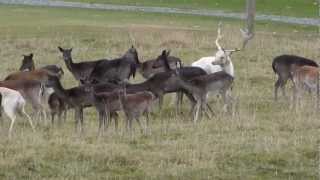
x=300, y=8
x=264, y=140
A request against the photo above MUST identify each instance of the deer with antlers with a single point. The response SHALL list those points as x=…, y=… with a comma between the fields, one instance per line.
x=220, y=67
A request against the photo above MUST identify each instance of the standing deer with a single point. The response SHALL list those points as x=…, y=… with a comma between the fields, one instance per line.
x=135, y=105
x=78, y=98
x=283, y=66
x=31, y=90
x=149, y=68
x=221, y=81
x=116, y=70
x=305, y=78
x=13, y=103
x=80, y=71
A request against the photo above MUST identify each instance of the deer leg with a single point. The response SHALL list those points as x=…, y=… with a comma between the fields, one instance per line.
x=101, y=119
x=210, y=109
x=60, y=117
x=12, y=116
x=147, y=121
x=115, y=117
x=160, y=102
x=179, y=99
x=77, y=118
x=139, y=123
x=81, y=119
x=28, y=117
x=196, y=113
x=52, y=118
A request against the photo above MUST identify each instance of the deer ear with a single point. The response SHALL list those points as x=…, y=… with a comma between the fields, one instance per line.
x=31, y=55
x=60, y=49
x=71, y=49
x=164, y=52
x=168, y=53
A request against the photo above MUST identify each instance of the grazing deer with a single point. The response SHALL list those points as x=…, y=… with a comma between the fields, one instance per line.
x=283, y=67
x=80, y=71
x=31, y=90
x=116, y=70
x=13, y=103
x=148, y=68
x=27, y=63
x=305, y=78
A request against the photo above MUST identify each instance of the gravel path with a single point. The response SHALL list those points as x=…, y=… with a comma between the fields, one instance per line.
x=215, y=13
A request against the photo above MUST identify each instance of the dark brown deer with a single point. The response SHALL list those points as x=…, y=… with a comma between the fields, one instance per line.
x=80, y=71
x=116, y=70
x=148, y=68
x=78, y=98
x=283, y=66
x=27, y=63
x=58, y=107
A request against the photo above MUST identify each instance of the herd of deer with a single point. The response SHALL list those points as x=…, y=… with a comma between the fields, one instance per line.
x=104, y=84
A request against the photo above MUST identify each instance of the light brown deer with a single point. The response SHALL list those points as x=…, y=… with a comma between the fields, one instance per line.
x=305, y=78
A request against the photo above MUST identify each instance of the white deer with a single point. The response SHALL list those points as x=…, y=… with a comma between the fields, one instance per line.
x=13, y=103
x=222, y=60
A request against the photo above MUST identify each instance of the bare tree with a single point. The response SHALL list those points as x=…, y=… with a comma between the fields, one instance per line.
x=248, y=32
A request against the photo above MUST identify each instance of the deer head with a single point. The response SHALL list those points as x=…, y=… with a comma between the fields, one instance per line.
x=223, y=55
x=66, y=53
x=27, y=63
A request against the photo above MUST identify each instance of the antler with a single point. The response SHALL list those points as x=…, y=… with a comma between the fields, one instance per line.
x=219, y=36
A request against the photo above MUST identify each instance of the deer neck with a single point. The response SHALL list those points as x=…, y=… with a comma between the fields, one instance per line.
x=229, y=68
x=69, y=63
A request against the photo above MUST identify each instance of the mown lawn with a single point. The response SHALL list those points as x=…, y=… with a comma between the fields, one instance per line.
x=299, y=8
x=264, y=140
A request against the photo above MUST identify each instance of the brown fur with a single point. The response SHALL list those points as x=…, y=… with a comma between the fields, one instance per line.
x=41, y=75
x=305, y=78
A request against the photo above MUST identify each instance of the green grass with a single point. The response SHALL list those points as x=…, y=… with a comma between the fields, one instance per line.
x=264, y=140
x=299, y=8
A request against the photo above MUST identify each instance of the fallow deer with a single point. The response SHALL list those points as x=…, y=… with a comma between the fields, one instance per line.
x=305, y=78
x=148, y=68
x=13, y=103
x=31, y=90
x=80, y=71
x=116, y=70
x=283, y=66
x=27, y=63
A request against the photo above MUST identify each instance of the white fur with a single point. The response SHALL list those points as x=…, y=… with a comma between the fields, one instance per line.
x=206, y=63
x=13, y=103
